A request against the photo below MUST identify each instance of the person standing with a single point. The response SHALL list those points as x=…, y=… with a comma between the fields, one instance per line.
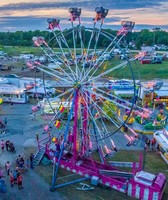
x=20, y=181
x=7, y=167
x=1, y=173
x=5, y=121
x=2, y=145
x=31, y=160
x=15, y=175
x=7, y=145
x=11, y=178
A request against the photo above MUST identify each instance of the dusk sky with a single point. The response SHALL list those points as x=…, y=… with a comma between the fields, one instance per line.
x=32, y=14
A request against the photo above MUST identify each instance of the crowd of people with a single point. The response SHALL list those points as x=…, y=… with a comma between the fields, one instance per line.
x=8, y=144
x=15, y=172
x=151, y=145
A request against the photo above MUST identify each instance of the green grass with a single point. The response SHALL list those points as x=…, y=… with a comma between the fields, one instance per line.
x=142, y=72
x=152, y=163
x=151, y=71
x=16, y=51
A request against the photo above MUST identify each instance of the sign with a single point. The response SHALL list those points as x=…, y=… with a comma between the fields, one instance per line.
x=161, y=100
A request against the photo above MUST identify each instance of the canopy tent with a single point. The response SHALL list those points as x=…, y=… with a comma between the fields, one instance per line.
x=162, y=138
x=124, y=93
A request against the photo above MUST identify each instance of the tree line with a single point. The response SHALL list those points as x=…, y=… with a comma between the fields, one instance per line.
x=139, y=38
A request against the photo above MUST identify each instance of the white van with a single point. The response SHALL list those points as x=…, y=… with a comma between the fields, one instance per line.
x=117, y=51
x=54, y=65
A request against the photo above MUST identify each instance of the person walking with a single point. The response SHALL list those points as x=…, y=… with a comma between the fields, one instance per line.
x=20, y=181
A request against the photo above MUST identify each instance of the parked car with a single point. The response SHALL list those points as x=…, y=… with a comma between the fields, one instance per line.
x=116, y=51
x=157, y=59
x=158, y=85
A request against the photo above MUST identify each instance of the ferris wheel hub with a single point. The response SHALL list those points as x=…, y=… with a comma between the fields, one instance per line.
x=77, y=85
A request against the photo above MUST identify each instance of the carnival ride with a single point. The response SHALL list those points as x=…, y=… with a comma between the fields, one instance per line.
x=146, y=120
x=69, y=143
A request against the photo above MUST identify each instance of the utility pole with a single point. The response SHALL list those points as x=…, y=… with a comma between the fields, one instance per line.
x=154, y=34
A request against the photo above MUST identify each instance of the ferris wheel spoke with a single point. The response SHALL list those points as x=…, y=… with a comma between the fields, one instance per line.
x=94, y=50
x=64, y=55
x=113, y=111
x=116, y=122
x=83, y=73
x=44, y=69
x=100, y=109
x=120, y=122
x=91, y=114
x=112, y=45
x=116, y=98
x=74, y=50
x=57, y=65
x=107, y=117
x=38, y=41
x=59, y=73
x=128, y=104
x=108, y=71
x=71, y=90
x=58, y=114
x=114, y=68
x=60, y=39
x=56, y=111
x=108, y=99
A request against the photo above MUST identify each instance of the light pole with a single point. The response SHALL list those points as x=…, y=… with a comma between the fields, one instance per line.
x=154, y=33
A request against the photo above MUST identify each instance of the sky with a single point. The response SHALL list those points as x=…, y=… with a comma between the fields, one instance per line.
x=28, y=15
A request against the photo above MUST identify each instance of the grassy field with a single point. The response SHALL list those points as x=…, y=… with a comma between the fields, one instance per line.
x=142, y=72
x=152, y=163
x=16, y=51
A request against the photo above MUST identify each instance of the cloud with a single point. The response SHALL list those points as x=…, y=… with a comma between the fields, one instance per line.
x=13, y=23
x=88, y=4
x=40, y=23
x=32, y=15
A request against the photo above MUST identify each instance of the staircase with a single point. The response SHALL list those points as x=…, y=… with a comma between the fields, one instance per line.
x=38, y=156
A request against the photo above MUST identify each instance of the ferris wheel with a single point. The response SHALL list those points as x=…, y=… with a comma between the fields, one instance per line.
x=89, y=69
x=89, y=108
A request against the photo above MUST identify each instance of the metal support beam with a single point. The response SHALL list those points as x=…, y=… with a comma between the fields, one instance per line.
x=52, y=189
